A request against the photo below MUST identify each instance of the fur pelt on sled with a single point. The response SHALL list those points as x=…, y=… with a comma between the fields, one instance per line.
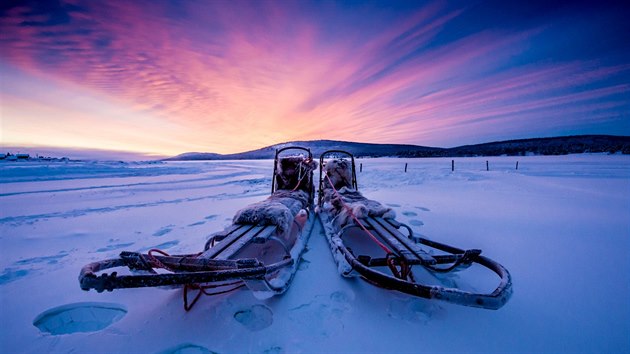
x=357, y=205
x=279, y=209
x=293, y=186
x=295, y=172
x=339, y=171
x=340, y=174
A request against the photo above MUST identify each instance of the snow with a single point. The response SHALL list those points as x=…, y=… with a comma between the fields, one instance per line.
x=560, y=225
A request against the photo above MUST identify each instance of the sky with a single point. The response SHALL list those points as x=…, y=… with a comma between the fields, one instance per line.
x=168, y=77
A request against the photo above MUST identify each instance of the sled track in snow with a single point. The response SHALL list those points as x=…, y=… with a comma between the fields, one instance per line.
x=18, y=220
x=142, y=184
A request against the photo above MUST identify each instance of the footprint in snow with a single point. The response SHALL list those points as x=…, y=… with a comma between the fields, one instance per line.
x=393, y=205
x=163, y=231
x=414, y=310
x=274, y=350
x=44, y=259
x=303, y=264
x=409, y=213
x=324, y=314
x=341, y=297
x=423, y=208
x=12, y=274
x=161, y=246
x=114, y=247
x=197, y=223
x=211, y=217
x=188, y=348
x=255, y=318
x=79, y=317
x=27, y=266
x=416, y=222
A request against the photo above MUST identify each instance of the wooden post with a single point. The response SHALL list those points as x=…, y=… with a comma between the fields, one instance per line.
x=487, y=166
x=405, y=167
x=452, y=165
x=361, y=167
x=517, y=165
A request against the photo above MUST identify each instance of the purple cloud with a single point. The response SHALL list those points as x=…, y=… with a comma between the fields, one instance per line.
x=238, y=75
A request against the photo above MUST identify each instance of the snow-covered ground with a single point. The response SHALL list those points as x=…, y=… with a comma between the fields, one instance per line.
x=560, y=225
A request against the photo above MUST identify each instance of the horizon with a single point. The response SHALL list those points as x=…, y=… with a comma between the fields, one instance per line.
x=104, y=154
x=159, y=78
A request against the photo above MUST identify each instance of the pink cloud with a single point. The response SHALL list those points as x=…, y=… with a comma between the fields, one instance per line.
x=249, y=74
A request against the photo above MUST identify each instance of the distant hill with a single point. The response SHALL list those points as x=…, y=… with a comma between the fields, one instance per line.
x=539, y=146
x=317, y=148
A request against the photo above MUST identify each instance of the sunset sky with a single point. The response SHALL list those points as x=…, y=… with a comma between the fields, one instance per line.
x=167, y=77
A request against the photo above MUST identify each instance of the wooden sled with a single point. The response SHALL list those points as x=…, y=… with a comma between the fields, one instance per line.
x=383, y=251
x=259, y=255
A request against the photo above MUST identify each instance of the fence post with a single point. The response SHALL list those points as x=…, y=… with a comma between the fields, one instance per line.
x=487, y=166
x=361, y=167
x=452, y=165
x=405, y=167
x=517, y=165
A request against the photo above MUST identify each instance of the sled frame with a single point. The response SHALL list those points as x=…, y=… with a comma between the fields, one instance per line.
x=407, y=250
x=217, y=265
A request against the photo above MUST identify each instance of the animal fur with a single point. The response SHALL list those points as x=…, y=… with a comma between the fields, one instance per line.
x=339, y=171
x=295, y=172
x=293, y=185
x=279, y=209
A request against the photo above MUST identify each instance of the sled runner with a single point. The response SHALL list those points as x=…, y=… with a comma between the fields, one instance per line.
x=260, y=250
x=367, y=241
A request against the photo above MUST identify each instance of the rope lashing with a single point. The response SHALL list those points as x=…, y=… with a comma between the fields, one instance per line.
x=202, y=289
x=405, y=269
x=356, y=220
x=302, y=173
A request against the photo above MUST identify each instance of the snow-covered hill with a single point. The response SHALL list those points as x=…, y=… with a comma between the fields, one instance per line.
x=560, y=225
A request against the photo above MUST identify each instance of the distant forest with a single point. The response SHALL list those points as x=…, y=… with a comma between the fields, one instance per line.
x=539, y=146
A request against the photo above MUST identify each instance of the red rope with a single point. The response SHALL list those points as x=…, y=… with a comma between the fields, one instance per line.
x=156, y=262
x=387, y=250
x=202, y=288
x=306, y=171
x=405, y=269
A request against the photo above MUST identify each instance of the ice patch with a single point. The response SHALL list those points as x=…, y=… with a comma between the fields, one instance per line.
x=79, y=317
x=255, y=318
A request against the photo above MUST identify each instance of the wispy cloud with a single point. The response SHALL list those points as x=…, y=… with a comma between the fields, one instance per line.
x=233, y=76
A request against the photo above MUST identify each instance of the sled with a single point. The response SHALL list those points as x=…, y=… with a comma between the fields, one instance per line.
x=260, y=250
x=367, y=241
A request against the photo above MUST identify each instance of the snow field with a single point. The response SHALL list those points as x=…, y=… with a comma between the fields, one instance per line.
x=560, y=225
